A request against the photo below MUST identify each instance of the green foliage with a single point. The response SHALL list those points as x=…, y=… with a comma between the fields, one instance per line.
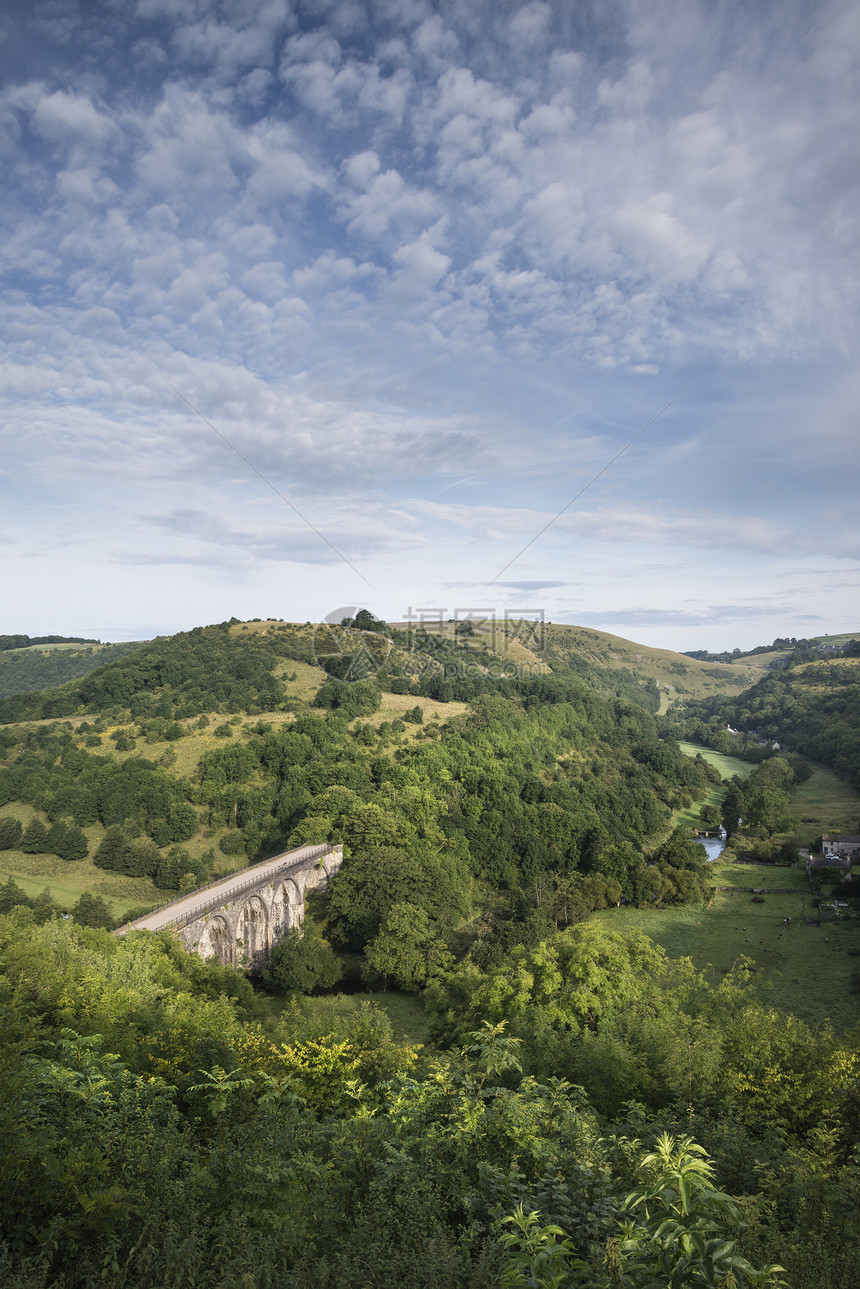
x=10, y=833
x=91, y=910
x=34, y=840
x=373, y=881
x=406, y=951
x=11, y=896
x=539, y=1257
x=811, y=707
x=676, y=1226
x=350, y=699
x=147, y=1118
x=34, y=669
x=189, y=673
x=301, y=962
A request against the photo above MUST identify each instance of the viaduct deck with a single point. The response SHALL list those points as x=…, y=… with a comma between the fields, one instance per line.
x=240, y=918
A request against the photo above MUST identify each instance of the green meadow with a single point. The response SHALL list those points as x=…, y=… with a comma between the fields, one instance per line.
x=728, y=766
x=825, y=803
x=797, y=968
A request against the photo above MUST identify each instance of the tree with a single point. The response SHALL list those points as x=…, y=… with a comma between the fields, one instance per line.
x=372, y=881
x=141, y=858
x=72, y=845
x=91, y=910
x=768, y=808
x=709, y=816
x=11, y=896
x=111, y=849
x=44, y=906
x=733, y=808
x=406, y=950
x=10, y=833
x=302, y=961
x=35, y=838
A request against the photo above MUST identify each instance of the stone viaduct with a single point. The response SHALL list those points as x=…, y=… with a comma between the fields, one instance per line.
x=240, y=918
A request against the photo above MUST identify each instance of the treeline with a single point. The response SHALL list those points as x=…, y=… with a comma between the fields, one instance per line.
x=218, y=669
x=799, y=651
x=541, y=782
x=90, y=910
x=24, y=642
x=155, y=1131
x=203, y=670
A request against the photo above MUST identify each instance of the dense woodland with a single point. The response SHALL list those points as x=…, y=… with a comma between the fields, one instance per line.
x=586, y=1110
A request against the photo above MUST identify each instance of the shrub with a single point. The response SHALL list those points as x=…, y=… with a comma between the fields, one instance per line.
x=302, y=961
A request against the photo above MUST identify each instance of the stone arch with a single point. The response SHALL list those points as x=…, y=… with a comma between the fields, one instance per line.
x=316, y=875
x=287, y=908
x=217, y=940
x=252, y=931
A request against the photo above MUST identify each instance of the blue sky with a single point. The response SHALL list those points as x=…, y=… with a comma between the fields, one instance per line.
x=429, y=267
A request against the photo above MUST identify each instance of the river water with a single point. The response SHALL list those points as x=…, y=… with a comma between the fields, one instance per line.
x=714, y=846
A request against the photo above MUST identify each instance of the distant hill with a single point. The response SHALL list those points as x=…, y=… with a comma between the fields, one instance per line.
x=780, y=651
x=593, y=654
x=24, y=642
x=236, y=665
x=53, y=660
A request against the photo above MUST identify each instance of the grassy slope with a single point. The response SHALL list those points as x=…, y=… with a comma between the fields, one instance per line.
x=728, y=766
x=716, y=936
x=799, y=969
x=67, y=881
x=676, y=675
x=826, y=803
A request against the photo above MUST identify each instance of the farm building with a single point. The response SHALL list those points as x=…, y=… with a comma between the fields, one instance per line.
x=829, y=866
x=833, y=843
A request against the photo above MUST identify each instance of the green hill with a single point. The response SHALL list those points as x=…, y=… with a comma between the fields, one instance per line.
x=46, y=665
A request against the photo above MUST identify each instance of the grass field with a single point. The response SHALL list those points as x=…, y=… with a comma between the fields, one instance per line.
x=323, y=1014
x=68, y=881
x=825, y=803
x=728, y=766
x=799, y=969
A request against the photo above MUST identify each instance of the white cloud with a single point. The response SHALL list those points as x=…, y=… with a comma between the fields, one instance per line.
x=387, y=246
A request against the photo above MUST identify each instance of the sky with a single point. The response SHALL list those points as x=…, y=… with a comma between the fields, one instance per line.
x=431, y=306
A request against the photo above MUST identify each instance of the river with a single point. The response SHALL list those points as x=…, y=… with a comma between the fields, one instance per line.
x=714, y=846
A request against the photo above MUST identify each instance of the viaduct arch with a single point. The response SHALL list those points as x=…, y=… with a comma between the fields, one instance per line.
x=239, y=919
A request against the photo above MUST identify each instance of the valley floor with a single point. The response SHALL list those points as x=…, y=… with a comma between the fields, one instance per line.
x=802, y=969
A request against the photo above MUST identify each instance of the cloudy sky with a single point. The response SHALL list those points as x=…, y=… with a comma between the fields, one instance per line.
x=317, y=303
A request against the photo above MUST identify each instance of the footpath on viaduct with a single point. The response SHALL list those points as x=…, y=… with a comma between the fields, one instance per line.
x=239, y=919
